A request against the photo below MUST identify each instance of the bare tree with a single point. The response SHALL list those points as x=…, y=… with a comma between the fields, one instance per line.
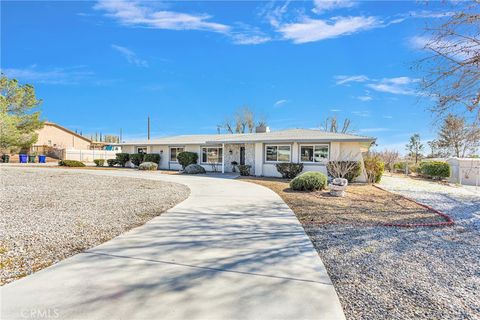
x=389, y=157
x=332, y=125
x=451, y=71
x=344, y=168
x=243, y=121
x=457, y=137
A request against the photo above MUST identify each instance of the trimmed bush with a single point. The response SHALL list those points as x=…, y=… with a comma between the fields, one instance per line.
x=122, y=158
x=136, y=158
x=187, y=158
x=152, y=157
x=339, y=169
x=374, y=168
x=151, y=166
x=399, y=167
x=194, y=169
x=112, y=162
x=71, y=163
x=289, y=170
x=435, y=169
x=244, y=169
x=309, y=181
x=99, y=162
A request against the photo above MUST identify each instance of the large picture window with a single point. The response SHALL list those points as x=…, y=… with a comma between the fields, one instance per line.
x=142, y=150
x=277, y=153
x=174, y=153
x=313, y=153
x=212, y=155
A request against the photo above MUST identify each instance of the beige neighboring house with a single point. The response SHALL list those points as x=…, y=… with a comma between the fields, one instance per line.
x=261, y=150
x=55, y=136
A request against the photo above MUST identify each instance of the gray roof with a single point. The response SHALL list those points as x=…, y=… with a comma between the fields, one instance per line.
x=291, y=135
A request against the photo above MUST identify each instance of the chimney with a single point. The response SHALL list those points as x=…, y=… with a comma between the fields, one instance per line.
x=262, y=129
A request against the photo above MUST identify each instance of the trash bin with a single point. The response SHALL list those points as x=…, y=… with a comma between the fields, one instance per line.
x=31, y=159
x=42, y=159
x=23, y=158
x=5, y=158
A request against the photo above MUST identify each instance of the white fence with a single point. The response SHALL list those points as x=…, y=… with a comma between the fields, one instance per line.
x=88, y=155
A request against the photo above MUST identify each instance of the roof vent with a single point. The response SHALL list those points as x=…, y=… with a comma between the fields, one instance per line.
x=262, y=129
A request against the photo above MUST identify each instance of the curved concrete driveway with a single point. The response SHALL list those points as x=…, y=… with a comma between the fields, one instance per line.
x=232, y=250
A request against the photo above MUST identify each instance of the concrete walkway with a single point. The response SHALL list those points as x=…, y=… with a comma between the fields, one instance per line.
x=232, y=250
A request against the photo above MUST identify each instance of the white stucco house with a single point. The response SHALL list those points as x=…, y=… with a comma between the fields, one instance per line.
x=261, y=150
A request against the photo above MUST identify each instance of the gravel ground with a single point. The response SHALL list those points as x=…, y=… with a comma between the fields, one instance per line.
x=48, y=215
x=418, y=273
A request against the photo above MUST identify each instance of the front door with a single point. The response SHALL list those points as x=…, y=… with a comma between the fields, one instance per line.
x=242, y=156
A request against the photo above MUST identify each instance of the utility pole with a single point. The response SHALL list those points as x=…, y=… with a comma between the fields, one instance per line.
x=148, y=129
x=120, y=136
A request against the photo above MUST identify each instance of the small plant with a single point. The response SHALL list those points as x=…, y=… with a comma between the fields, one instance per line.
x=349, y=170
x=309, y=181
x=112, y=162
x=244, y=169
x=374, y=168
x=71, y=163
x=99, y=162
x=194, y=169
x=152, y=157
x=289, y=170
x=122, y=158
x=150, y=166
x=187, y=158
x=435, y=169
x=136, y=158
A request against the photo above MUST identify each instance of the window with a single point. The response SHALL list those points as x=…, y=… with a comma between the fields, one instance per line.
x=314, y=153
x=277, y=153
x=173, y=154
x=142, y=150
x=212, y=155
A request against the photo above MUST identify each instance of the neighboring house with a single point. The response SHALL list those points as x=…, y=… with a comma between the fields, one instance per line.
x=261, y=150
x=55, y=136
x=464, y=171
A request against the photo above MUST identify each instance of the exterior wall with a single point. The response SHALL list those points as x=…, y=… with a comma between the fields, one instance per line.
x=87, y=155
x=53, y=136
x=464, y=171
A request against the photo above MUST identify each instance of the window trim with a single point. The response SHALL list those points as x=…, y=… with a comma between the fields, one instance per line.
x=201, y=155
x=145, y=147
x=170, y=153
x=277, y=145
x=313, y=145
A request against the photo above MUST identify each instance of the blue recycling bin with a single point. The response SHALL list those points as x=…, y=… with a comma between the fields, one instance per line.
x=42, y=159
x=23, y=158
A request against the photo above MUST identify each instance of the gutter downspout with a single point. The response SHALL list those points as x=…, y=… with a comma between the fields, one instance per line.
x=223, y=157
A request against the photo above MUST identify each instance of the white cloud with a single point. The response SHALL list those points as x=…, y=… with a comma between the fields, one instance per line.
x=346, y=79
x=130, y=56
x=364, y=98
x=136, y=14
x=325, y=5
x=248, y=35
x=398, y=85
x=374, y=129
x=310, y=30
x=388, y=117
x=62, y=76
x=335, y=110
x=361, y=113
x=280, y=103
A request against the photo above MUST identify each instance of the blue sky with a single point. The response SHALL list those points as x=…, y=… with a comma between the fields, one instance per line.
x=102, y=66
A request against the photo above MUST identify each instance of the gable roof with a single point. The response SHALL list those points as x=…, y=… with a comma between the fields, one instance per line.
x=48, y=123
x=297, y=135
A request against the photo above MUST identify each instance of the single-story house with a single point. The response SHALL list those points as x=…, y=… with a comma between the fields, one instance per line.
x=53, y=135
x=261, y=150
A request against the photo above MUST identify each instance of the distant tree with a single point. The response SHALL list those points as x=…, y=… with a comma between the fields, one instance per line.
x=389, y=157
x=244, y=122
x=18, y=118
x=435, y=150
x=332, y=125
x=108, y=138
x=457, y=137
x=451, y=71
x=415, y=147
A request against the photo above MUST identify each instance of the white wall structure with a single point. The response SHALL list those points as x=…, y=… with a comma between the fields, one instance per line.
x=87, y=155
x=464, y=171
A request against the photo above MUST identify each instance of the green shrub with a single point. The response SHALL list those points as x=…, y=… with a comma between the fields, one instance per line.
x=435, y=169
x=289, y=170
x=400, y=166
x=71, y=163
x=148, y=166
x=244, y=169
x=136, y=158
x=99, y=162
x=112, y=162
x=186, y=158
x=122, y=158
x=374, y=168
x=349, y=170
x=152, y=157
x=309, y=181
